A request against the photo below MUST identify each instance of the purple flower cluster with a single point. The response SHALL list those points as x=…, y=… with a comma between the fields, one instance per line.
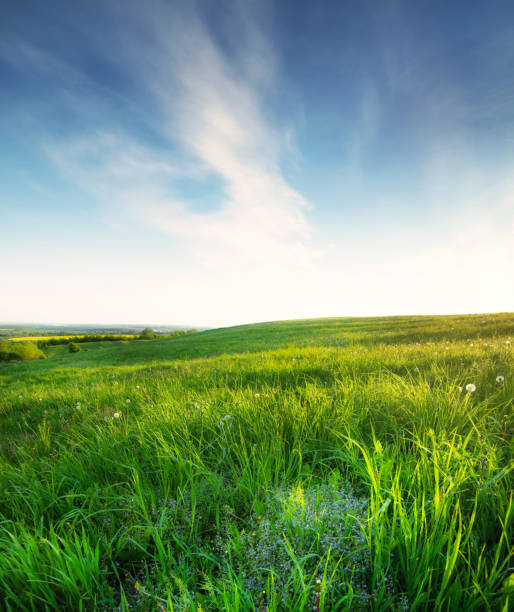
x=318, y=532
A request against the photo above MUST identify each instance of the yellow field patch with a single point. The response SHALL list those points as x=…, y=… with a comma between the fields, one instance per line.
x=36, y=338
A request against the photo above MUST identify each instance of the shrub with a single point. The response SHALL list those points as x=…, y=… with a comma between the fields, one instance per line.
x=19, y=351
x=9, y=356
x=147, y=334
x=74, y=347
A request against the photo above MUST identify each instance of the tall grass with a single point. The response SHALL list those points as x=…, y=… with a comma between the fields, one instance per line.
x=338, y=451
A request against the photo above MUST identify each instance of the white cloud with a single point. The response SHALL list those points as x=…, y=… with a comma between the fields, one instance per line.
x=213, y=109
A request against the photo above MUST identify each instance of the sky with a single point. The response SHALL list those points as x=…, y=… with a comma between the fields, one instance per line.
x=211, y=163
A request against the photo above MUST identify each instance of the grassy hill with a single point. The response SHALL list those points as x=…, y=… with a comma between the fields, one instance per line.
x=233, y=468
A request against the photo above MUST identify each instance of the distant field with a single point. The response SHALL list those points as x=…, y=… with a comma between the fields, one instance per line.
x=231, y=469
x=73, y=336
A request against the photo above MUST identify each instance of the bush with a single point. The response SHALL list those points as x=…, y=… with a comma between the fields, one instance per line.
x=9, y=356
x=74, y=347
x=147, y=334
x=19, y=351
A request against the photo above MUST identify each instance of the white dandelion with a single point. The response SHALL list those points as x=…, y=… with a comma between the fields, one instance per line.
x=470, y=388
x=128, y=401
x=116, y=415
x=500, y=379
x=226, y=420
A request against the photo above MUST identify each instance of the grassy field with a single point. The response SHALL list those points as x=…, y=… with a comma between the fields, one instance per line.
x=232, y=469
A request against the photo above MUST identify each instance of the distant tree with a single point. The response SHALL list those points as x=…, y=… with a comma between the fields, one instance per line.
x=74, y=347
x=147, y=334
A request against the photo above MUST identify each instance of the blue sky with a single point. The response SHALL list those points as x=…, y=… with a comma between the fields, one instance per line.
x=213, y=163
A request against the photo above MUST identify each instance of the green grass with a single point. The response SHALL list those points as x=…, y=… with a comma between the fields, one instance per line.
x=232, y=468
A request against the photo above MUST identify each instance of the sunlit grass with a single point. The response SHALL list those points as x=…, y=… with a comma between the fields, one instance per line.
x=216, y=471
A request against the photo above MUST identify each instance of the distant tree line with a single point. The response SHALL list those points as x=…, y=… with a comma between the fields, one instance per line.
x=147, y=334
x=19, y=351
x=90, y=338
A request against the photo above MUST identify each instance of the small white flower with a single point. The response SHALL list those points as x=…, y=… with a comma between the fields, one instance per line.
x=470, y=387
x=507, y=341
x=257, y=395
x=128, y=401
x=227, y=419
x=416, y=369
x=500, y=379
x=137, y=386
x=116, y=415
x=460, y=389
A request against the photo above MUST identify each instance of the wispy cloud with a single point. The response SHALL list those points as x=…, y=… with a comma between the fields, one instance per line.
x=213, y=109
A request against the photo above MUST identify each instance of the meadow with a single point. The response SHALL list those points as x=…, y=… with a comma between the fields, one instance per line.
x=331, y=464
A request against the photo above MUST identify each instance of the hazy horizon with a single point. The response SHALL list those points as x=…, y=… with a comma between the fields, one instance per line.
x=113, y=325
x=226, y=163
